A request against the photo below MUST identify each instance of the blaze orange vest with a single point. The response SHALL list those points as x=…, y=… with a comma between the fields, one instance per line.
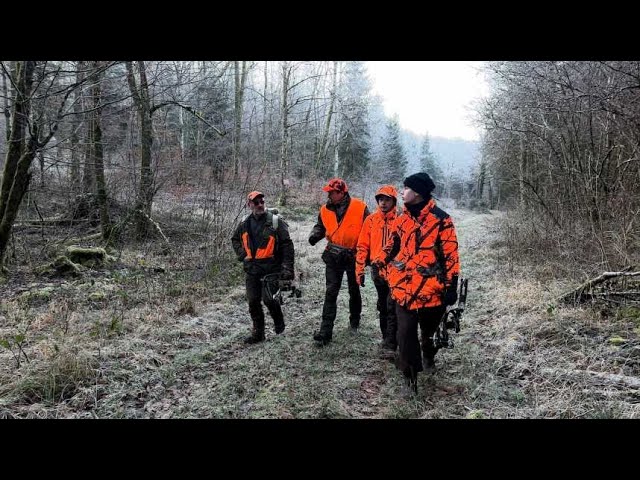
x=266, y=251
x=347, y=231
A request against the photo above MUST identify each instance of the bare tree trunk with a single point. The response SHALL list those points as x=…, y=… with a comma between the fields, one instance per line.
x=6, y=106
x=481, y=179
x=322, y=149
x=336, y=152
x=284, y=160
x=140, y=94
x=97, y=153
x=181, y=178
x=491, y=196
x=40, y=156
x=240, y=80
x=88, y=172
x=337, y=131
x=74, y=139
x=20, y=153
x=264, y=115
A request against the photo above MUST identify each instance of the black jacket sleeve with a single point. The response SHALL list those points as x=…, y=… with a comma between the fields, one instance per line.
x=317, y=232
x=285, y=244
x=236, y=242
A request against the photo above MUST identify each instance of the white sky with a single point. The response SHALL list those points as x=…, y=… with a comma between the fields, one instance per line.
x=430, y=97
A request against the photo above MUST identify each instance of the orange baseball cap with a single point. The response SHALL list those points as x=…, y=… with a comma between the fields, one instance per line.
x=336, y=184
x=254, y=194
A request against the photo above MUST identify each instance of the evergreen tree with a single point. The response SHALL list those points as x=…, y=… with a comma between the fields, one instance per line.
x=429, y=163
x=394, y=160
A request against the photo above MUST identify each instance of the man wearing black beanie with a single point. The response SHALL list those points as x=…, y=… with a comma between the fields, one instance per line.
x=422, y=270
x=421, y=184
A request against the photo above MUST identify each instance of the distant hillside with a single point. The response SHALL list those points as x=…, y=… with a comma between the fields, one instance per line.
x=460, y=154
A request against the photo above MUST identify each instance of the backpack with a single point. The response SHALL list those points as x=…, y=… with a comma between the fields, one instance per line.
x=273, y=217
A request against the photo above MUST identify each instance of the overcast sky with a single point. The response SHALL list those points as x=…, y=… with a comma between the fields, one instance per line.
x=430, y=97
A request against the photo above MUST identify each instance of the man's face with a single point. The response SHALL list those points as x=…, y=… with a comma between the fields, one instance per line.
x=385, y=203
x=409, y=197
x=257, y=206
x=335, y=196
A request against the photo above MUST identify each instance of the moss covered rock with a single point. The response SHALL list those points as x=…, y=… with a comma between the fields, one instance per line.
x=60, y=267
x=89, y=257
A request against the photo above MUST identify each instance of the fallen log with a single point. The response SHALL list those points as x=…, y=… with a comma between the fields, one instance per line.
x=580, y=293
x=601, y=378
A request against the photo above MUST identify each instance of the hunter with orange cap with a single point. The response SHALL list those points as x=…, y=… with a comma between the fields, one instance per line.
x=340, y=221
x=262, y=242
x=375, y=233
x=422, y=270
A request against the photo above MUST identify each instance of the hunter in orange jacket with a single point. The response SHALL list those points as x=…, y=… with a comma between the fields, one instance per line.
x=376, y=230
x=427, y=259
x=340, y=222
x=375, y=233
x=422, y=270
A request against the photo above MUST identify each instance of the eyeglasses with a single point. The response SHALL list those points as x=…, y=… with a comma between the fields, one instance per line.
x=258, y=201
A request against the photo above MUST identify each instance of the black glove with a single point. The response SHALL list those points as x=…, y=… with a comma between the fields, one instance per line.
x=361, y=279
x=286, y=274
x=379, y=264
x=451, y=295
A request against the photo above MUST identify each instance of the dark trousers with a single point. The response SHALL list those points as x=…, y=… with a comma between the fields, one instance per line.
x=409, y=348
x=254, y=297
x=387, y=310
x=334, y=274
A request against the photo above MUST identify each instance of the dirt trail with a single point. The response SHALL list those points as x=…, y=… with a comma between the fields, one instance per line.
x=288, y=376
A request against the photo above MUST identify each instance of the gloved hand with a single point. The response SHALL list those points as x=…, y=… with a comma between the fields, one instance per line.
x=361, y=279
x=450, y=296
x=286, y=274
x=377, y=263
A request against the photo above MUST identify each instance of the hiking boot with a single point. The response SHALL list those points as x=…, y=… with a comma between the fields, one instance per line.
x=410, y=388
x=254, y=338
x=428, y=363
x=279, y=328
x=386, y=354
x=390, y=345
x=321, y=340
x=412, y=383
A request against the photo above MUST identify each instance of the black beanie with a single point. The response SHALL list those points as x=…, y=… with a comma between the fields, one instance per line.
x=420, y=183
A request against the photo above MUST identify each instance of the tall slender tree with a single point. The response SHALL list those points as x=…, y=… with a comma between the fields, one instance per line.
x=97, y=151
x=140, y=93
x=429, y=162
x=393, y=157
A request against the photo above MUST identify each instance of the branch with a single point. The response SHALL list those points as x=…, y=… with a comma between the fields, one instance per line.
x=578, y=293
x=595, y=377
x=526, y=182
x=191, y=111
x=157, y=227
